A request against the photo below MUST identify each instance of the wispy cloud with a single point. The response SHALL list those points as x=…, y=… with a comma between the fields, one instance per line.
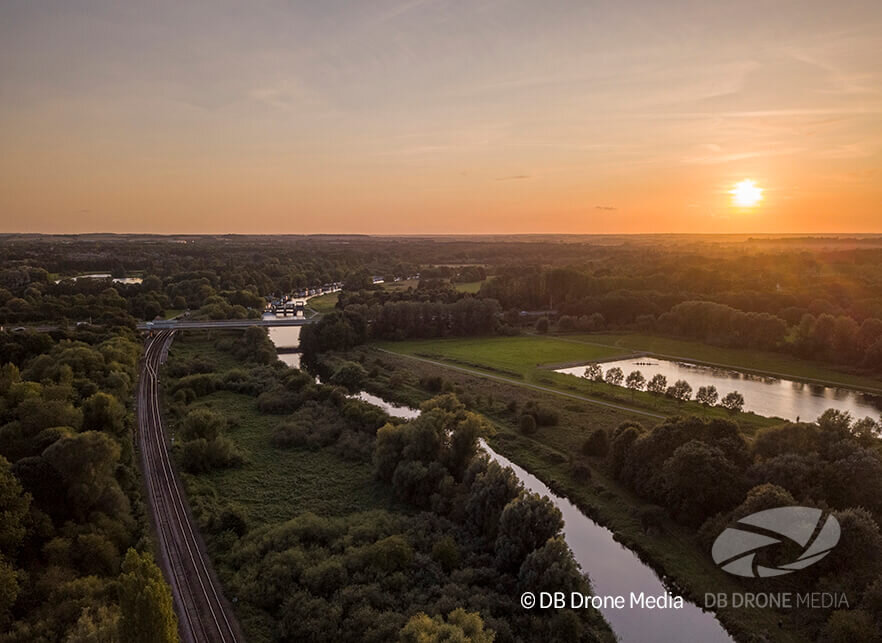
x=712, y=159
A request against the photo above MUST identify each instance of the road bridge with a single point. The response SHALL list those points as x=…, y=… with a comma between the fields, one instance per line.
x=196, y=324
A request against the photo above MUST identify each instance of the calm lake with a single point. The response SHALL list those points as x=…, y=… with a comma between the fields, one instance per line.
x=768, y=396
x=613, y=569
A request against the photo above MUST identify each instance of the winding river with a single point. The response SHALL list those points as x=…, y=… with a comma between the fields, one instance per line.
x=614, y=570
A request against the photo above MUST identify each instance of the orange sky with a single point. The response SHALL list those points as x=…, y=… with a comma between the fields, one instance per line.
x=422, y=116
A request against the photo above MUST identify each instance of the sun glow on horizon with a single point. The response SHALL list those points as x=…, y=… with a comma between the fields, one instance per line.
x=746, y=194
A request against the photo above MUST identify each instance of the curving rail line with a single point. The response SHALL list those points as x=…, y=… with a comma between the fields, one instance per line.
x=203, y=613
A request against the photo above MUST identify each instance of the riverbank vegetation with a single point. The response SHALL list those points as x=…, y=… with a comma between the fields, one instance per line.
x=527, y=359
x=669, y=488
x=806, y=307
x=343, y=523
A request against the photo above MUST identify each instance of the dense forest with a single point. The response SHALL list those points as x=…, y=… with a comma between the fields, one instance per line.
x=75, y=562
x=448, y=564
x=706, y=475
x=445, y=557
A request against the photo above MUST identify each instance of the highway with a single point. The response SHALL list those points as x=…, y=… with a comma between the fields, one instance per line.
x=203, y=613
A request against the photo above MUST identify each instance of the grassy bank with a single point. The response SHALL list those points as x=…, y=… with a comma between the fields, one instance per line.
x=549, y=454
x=740, y=358
x=524, y=359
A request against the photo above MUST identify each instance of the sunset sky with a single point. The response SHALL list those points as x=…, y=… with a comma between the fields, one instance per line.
x=432, y=116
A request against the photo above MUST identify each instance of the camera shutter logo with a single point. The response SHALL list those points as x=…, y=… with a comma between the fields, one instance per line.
x=735, y=548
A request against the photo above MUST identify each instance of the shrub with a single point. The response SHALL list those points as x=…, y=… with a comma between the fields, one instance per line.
x=201, y=455
x=431, y=383
x=581, y=472
x=278, y=402
x=291, y=435
x=202, y=423
x=543, y=415
x=350, y=375
x=566, y=323
x=546, y=417
x=527, y=424
x=596, y=444
x=651, y=518
x=233, y=519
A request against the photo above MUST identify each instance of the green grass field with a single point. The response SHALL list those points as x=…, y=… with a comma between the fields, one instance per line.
x=469, y=287
x=513, y=355
x=324, y=303
x=394, y=286
x=522, y=354
x=276, y=484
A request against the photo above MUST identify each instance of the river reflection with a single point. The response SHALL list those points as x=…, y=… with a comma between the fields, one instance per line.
x=613, y=569
x=285, y=337
x=394, y=410
x=105, y=275
x=768, y=396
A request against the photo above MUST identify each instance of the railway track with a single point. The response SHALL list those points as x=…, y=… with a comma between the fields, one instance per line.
x=203, y=613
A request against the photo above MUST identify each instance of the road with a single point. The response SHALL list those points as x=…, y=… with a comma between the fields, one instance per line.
x=174, y=324
x=203, y=613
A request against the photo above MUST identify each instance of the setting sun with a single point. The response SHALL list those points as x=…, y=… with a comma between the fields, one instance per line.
x=746, y=194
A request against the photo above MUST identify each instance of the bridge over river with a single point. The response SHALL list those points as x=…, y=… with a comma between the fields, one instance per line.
x=175, y=324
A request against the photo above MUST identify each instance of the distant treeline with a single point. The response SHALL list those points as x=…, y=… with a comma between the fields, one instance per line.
x=340, y=331
x=843, y=327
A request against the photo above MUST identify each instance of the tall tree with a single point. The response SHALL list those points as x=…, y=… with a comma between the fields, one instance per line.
x=145, y=600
